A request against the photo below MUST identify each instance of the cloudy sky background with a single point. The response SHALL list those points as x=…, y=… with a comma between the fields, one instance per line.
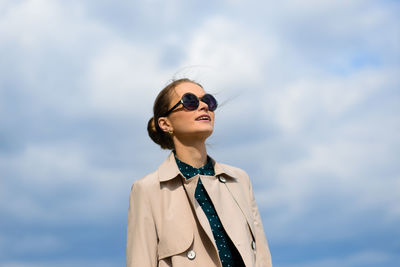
x=310, y=108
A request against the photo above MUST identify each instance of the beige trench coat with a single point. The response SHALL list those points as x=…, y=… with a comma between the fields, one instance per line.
x=167, y=226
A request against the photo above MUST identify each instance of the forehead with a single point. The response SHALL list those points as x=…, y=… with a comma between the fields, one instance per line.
x=188, y=87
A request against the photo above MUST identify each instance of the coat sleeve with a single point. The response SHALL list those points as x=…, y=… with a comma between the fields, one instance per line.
x=263, y=255
x=141, y=249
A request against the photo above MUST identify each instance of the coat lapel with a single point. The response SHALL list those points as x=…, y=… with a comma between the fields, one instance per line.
x=236, y=191
x=238, y=195
x=175, y=228
x=230, y=206
x=190, y=186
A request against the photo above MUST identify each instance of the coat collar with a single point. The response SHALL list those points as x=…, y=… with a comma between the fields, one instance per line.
x=169, y=169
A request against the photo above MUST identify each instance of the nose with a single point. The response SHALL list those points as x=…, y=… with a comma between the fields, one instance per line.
x=203, y=106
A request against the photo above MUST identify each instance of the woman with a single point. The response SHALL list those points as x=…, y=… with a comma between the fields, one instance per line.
x=192, y=211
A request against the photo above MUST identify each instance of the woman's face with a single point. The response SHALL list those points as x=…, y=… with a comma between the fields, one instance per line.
x=185, y=123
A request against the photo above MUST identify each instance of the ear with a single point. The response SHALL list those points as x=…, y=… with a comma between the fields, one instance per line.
x=165, y=124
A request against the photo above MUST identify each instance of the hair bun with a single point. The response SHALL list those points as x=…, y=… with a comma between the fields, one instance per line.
x=152, y=131
x=151, y=124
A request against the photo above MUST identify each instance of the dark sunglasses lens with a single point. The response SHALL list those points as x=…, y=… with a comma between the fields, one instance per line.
x=190, y=101
x=210, y=101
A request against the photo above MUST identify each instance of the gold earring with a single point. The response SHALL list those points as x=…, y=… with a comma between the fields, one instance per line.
x=170, y=131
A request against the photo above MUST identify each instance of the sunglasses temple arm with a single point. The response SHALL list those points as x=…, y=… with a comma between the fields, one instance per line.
x=171, y=109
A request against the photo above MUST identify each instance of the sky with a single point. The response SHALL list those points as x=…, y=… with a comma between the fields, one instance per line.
x=309, y=95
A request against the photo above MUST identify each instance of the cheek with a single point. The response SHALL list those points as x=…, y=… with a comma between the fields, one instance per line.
x=184, y=120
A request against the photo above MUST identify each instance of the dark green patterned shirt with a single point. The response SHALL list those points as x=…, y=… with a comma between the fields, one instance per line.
x=227, y=251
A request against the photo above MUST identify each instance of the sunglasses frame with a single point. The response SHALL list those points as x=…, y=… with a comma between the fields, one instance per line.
x=198, y=103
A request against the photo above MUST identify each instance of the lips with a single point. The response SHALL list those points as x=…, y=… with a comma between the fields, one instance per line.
x=204, y=117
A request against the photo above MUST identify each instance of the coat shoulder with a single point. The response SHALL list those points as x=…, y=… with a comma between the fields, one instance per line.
x=147, y=182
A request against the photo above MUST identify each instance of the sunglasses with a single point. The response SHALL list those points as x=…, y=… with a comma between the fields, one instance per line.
x=191, y=102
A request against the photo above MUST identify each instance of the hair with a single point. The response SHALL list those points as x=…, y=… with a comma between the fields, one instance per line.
x=161, y=106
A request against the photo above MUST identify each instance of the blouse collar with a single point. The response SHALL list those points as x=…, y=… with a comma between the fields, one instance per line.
x=169, y=169
x=189, y=171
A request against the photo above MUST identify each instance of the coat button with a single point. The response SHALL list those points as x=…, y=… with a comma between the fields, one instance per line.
x=191, y=254
x=253, y=245
x=222, y=179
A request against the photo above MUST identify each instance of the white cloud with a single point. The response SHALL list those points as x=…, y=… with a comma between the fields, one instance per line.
x=37, y=24
x=63, y=175
x=312, y=100
x=232, y=52
x=123, y=78
x=111, y=75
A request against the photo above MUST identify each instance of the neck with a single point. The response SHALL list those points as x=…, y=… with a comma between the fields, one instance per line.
x=193, y=153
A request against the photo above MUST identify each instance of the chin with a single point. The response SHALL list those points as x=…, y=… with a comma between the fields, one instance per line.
x=207, y=133
x=203, y=133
